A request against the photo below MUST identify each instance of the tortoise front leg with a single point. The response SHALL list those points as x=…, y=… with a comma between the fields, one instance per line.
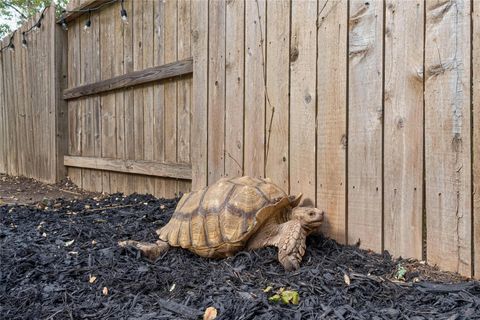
x=291, y=244
x=152, y=251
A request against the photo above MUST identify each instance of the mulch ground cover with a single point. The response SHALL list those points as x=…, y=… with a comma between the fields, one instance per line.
x=61, y=261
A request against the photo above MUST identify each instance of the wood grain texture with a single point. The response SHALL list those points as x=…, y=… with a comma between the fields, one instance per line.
x=138, y=98
x=3, y=132
x=277, y=106
x=170, y=123
x=254, y=137
x=147, y=75
x=234, y=87
x=118, y=181
x=303, y=100
x=148, y=133
x=476, y=135
x=184, y=90
x=159, y=93
x=74, y=107
x=107, y=100
x=447, y=135
x=199, y=93
x=332, y=22
x=143, y=167
x=216, y=96
x=365, y=124
x=403, y=136
x=129, y=106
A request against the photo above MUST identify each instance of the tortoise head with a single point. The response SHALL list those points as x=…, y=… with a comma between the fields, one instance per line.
x=310, y=218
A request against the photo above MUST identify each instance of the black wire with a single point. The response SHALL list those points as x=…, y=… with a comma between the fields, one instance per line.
x=39, y=21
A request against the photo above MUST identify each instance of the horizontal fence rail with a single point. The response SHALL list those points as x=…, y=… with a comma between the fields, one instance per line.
x=174, y=69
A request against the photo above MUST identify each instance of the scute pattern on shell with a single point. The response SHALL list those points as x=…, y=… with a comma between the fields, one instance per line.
x=220, y=215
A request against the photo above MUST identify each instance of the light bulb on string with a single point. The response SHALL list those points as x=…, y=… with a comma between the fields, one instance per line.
x=11, y=47
x=64, y=23
x=37, y=26
x=88, y=24
x=24, y=41
x=123, y=14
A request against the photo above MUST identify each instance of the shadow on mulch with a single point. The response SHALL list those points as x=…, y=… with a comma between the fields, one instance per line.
x=63, y=262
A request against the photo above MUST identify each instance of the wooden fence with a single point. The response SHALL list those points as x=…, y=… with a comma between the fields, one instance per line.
x=369, y=108
x=32, y=111
x=365, y=107
x=129, y=97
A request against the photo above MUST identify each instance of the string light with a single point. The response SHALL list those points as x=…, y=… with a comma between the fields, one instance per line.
x=37, y=26
x=63, y=22
x=123, y=13
x=10, y=46
x=24, y=41
x=88, y=24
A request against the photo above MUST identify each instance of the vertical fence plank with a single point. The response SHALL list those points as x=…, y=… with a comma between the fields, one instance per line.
x=170, y=134
x=3, y=166
x=476, y=134
x=19, y=100
x=148, y=28
x=303, y=99
x=216, y=97
x=59, y=44
x=332, y=26
x=85, y=67
x=200, y=93
x=184, y=90
x=403, y=137
x=447, y=135
x=365, y=124
x=74, y=109
x=234, y=84
x=254, y=118
x=107, y=100
x=118, y=181
x=129, y=104
x=277, y=70
x=27, y=83
x=159, y=93
x=139, y=106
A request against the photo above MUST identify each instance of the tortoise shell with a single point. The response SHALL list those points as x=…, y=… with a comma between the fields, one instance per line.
x=217, y=221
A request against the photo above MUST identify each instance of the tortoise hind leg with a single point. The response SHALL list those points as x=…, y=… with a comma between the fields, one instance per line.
x=152, y=251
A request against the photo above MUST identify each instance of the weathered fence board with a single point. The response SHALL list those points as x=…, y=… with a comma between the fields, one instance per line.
x=332, y=115
x=234, y=84
x=365, y=119
x=277, y=90
x=200, y=93
x=303, y=48
x=447, y=135
x=216, y=83
x=254, y=119
x=403, y=136
x=476, y=134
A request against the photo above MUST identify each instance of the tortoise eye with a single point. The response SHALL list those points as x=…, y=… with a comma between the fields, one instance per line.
x=311, y=213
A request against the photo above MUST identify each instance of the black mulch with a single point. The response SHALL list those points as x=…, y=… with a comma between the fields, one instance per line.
x=43, y=275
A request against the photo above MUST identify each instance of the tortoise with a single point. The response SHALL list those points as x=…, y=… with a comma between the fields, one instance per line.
x=236, y=214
